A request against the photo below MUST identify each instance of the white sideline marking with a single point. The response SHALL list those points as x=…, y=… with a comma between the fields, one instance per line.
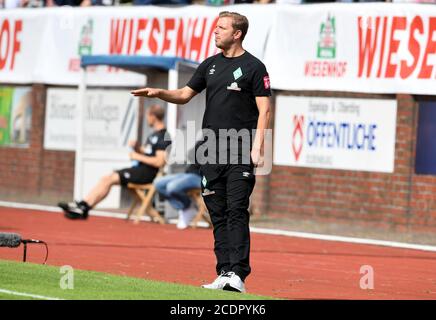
x=326, y=237
x=14, y=293
x=278, y=232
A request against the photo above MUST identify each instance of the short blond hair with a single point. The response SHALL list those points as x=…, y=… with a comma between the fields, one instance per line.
x=240, y=22
x=158, y=111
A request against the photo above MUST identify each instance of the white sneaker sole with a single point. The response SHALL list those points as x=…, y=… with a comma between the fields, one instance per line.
x=228, y=287
x=211, y=288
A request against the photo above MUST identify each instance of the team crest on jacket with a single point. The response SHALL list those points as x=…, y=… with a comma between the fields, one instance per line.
x=237, y=73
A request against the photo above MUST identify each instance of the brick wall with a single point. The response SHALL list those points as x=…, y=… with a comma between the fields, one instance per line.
x=402, y=200
x=32, y=174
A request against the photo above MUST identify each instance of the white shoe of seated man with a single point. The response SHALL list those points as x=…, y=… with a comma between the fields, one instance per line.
x=186, y=216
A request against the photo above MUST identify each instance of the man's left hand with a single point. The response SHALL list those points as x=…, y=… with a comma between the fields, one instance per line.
x=256, y=157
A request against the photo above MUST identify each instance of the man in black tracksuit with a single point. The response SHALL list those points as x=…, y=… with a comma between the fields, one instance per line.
x=237, y=113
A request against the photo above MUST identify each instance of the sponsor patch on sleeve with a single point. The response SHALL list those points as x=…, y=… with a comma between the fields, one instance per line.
x=266, y=82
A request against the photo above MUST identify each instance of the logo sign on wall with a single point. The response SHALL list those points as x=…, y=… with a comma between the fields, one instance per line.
x=110, y=119
x=335, y=133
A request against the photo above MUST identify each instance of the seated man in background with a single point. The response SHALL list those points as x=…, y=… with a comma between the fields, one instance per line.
x=150, y=157
x=173, y=188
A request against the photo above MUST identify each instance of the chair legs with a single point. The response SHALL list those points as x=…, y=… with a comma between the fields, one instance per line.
x=133, y=205
x=145, y=198
x=143, y=194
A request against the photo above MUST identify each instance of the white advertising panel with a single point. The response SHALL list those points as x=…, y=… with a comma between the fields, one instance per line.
x=364, y=47
x=110, y=119
x=335, y=133
x=374, y=48
x=45, y=46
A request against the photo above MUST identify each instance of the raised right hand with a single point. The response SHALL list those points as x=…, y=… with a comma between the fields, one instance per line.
x=146, y=92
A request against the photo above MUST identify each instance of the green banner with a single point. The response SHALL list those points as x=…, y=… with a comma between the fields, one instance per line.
x=6, y=94
x=15, y=116
x=21, y=116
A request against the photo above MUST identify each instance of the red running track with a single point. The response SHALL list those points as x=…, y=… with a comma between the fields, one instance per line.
x=286, y=267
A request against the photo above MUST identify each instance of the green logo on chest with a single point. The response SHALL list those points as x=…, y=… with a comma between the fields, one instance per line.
x=237, y=73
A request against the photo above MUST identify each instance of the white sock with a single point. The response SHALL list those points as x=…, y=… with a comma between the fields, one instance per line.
x=181, y=223
x=189, y=214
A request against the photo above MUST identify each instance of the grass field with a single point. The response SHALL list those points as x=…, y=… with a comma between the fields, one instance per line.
x=32, y=279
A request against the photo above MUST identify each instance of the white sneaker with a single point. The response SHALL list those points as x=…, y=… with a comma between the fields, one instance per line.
x=189, y=214
x=234, y=283
x=218, y=283
x=181, y=224
x=186, y=216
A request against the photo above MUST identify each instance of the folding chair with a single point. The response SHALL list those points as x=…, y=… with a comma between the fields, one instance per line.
x=143, y=194
x=202, y=214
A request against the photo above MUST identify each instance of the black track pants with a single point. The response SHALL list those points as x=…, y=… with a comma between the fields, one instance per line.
x=227, y=200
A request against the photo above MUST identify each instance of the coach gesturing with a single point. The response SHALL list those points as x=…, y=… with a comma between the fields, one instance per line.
x=237, y=100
